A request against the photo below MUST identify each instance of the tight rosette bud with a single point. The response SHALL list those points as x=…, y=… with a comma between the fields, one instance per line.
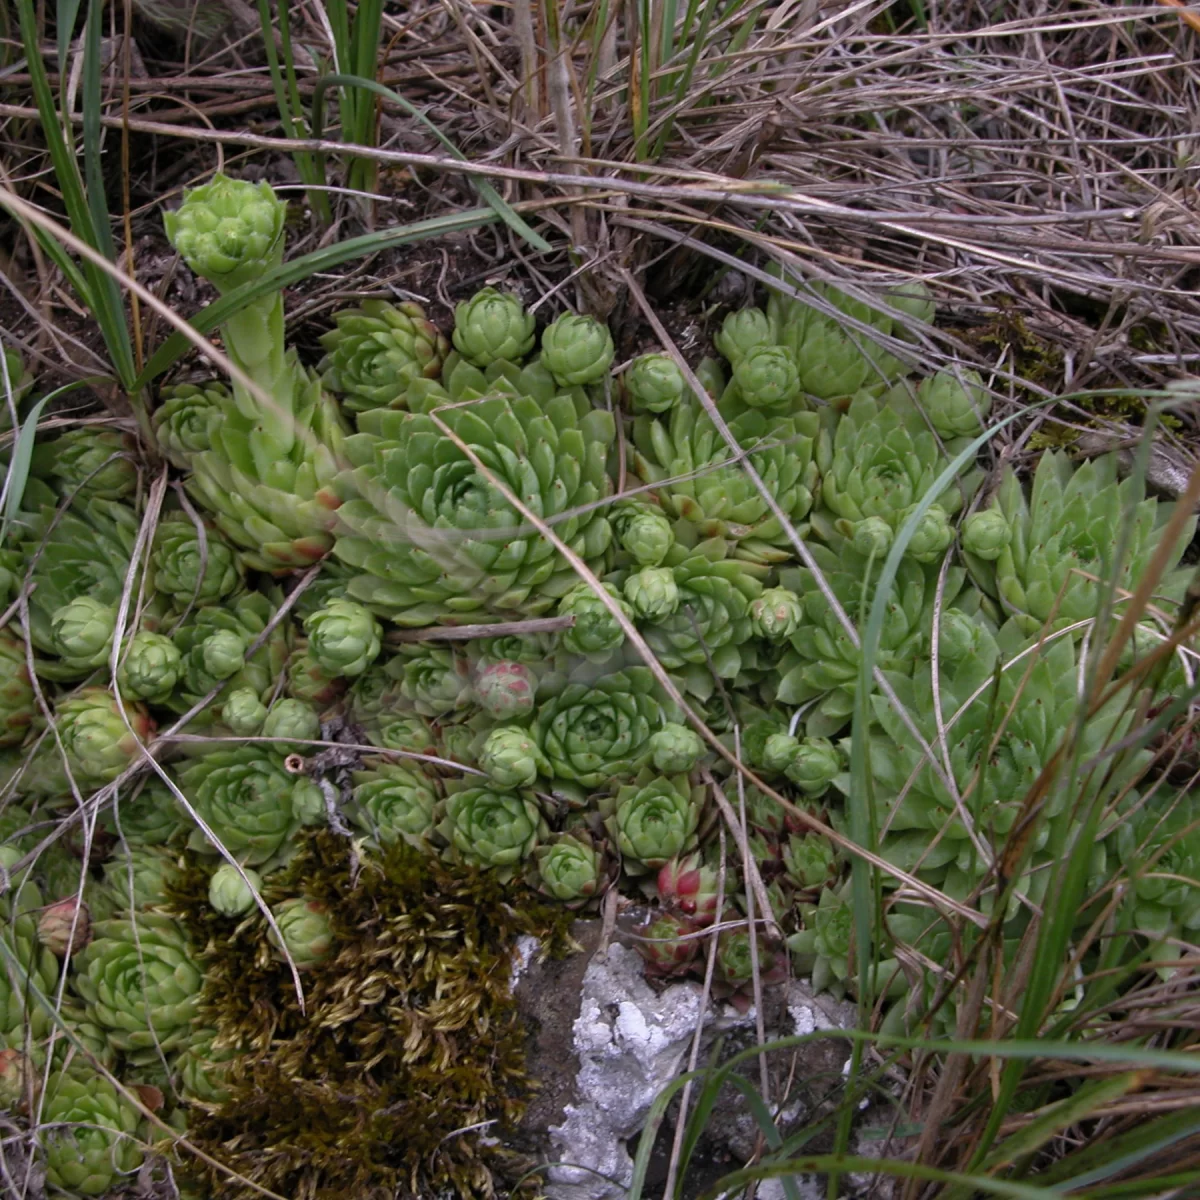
x=689, y=887
x=344, y=638
x=191, y=569
x=814, y=766
x=228, y=231
x=654, y=383
x=229, y=893
x=932, y=536
x=65, y=927
x=292, y=719
x=577, y=350
x=151, y=668
x=676, y=749
x=596, y=632
x=644, y=534
x=652, y=593
x=767, y=377
x=511, y=757
x=244, y=712
x=778, y=750
x=223, y=653
x=98, y=742
x=777, y=614
x=570, y=869
x=306, y=932
x=376, y=350
x=506, y=690
x=958, y=636
x=489, y=828
x=82, y=631
x=986, y=534
x=307, y=680
x=493, y=326
x=741, y=332
x=872, y=536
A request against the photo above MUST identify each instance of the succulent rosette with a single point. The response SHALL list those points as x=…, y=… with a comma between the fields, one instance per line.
x=295, y=720
x=90, y=1134
x=571, y=868
x=743, y=331
x=90, y=461
x=493, y=326
x=652, y=593
x=433, y=680
x=883, y=463
x=687, y=886
x=245, y=617
x=1160, y=849
x=675, y=749
x=654, y=383
x=653, y=820
x=266, y=475
x=29, y=964
x=593, y=734
x=700, y=483
x=511, y=757
x=821, y=662
x=577, y=350
x=486, y=827
x=305, y=933
x=826, y=943
x=150, y=816
x=777, y=614
x=150, y=667
x=505, y=690
x=193, y=565
x=244, y=712
x=139, y=983
x=376, y=350
x=766, y=377
x=82, y=631
x=183, y=416
x=394, y=802
x=307, y=680
x=231, y=892
x=99, y=744
x=667, y=945
x=985, y=534
x=811, y=861
x=951, y=843
x=18, y=704
x=814, y=766
x=434, y=540
x=203, y=1068
x=956, y=403
x=643, y=531
x=1062, y=539
x=249, y=801
x=713, y=618
x=596, y=633
x=135, y=878
x=83, y=551
x=344, y=638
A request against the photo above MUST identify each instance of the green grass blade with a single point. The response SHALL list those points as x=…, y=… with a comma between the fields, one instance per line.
x=1100, y=1160
x=498, y=204
x=291, y=108
x=208, y=318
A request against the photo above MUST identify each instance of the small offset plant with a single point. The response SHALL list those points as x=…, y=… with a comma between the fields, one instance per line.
x=378, y=809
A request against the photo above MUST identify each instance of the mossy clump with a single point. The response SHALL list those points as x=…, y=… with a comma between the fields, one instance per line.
x=409, y=1033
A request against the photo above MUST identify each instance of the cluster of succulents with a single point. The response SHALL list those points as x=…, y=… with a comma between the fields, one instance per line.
x=494, y=478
